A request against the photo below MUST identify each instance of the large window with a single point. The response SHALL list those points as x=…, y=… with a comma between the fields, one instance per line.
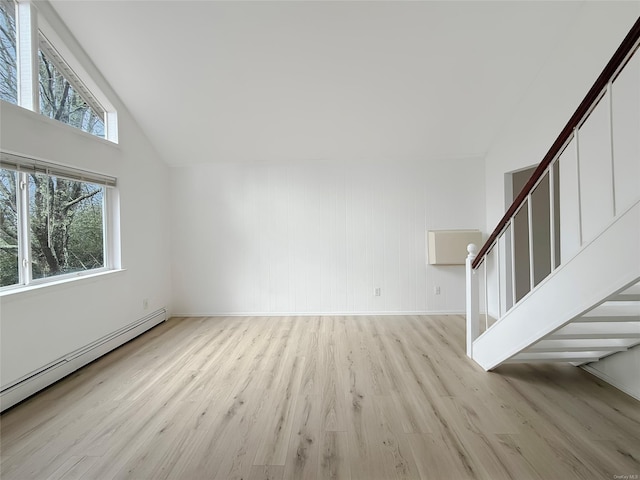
x=52, y=222
x=8, y=63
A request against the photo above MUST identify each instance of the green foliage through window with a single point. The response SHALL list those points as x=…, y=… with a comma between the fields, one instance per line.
x=66, y=227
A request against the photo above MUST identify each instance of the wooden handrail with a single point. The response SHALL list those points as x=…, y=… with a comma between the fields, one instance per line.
x=600, y=84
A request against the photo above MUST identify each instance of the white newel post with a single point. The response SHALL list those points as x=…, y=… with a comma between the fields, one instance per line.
x=473, y=303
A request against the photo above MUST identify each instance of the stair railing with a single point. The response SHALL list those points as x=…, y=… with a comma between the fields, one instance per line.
x=573, y=195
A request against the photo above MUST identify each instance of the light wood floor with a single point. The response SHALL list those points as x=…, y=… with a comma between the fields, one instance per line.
x=318, y=397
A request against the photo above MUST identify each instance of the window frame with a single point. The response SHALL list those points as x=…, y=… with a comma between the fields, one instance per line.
x=23, y=166
x=32, y=29
x=48, y=53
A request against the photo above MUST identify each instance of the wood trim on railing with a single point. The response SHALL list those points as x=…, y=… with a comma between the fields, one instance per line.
x=592, y=96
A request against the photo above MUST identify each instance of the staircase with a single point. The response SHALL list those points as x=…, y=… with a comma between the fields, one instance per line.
x=559, y=277
x=606, y=329
x=611, y=327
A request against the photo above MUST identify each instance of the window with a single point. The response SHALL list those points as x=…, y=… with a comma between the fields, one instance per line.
x=52, y=83
x=8, y=63
x=63, y=96
x=53, y=218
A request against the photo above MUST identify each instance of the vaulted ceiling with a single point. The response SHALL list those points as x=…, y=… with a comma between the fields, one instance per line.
x=347, y=81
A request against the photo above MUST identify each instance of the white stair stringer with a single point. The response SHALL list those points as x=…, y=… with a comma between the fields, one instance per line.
x=586, y=310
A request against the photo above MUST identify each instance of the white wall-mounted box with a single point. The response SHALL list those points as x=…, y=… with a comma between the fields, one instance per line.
x=449, y=247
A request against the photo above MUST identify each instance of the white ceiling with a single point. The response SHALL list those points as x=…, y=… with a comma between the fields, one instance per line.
x=279, y=81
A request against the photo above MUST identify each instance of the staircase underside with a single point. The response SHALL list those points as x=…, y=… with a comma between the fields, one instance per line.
x=611, y=327
x=589, y=308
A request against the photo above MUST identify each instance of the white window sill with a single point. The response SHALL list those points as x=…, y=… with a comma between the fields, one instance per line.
x=19, y=110
x=52, y=284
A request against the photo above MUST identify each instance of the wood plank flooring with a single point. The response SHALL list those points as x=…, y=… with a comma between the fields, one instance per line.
x=318, y=398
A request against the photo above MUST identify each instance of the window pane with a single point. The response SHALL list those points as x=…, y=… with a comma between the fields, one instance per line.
x=60, y=101
x=66, y=225
x=8, y=71
x=8, y=229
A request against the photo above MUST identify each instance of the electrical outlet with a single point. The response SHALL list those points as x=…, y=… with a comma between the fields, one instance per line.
x=436, y=290
x=377, y=292
x=145, y=303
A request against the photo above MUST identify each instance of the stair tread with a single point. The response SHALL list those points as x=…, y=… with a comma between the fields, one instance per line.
x=588, y=356
x=615, y=309
x=581, y=344
x=626, y=297
x=633, y=289
x=598, y=330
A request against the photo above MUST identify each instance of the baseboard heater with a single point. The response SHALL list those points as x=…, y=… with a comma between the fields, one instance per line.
x=35, y=381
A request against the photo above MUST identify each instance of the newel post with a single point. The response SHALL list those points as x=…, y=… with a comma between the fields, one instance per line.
x=473, y=302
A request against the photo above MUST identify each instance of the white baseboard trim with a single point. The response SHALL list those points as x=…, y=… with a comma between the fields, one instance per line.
x=35, y=381
x=611, y=381
x=313, y=314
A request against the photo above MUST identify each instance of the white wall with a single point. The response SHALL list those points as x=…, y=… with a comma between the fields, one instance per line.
x=553, y=97
x=42, y=325
x=318, y=237
x=621, y=370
